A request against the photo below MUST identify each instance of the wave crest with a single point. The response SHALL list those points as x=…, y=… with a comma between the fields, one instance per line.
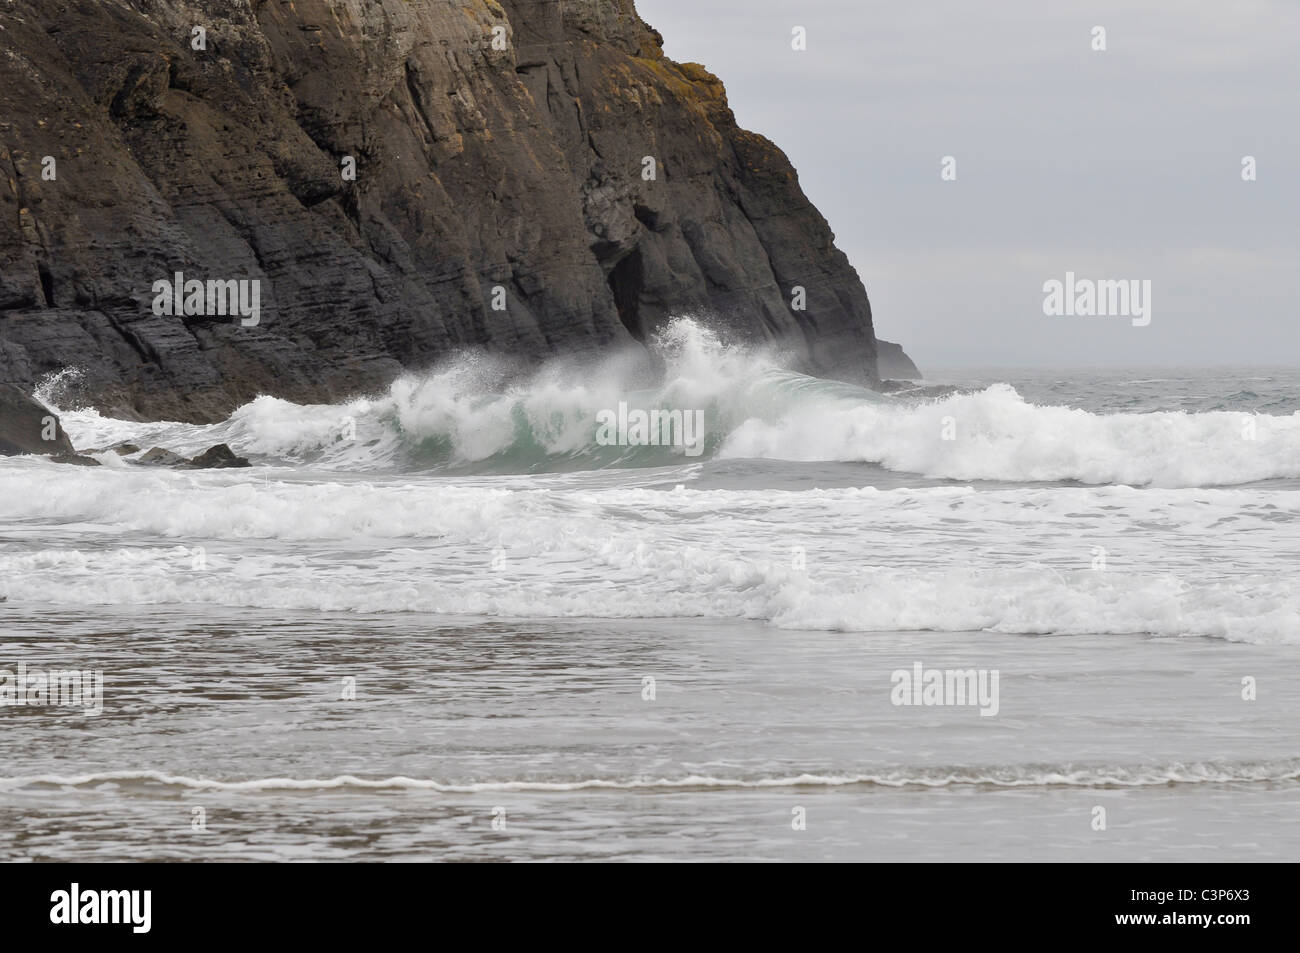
x=474, y=414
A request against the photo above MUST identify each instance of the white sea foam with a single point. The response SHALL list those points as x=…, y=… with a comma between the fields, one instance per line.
x=471, y=416
x=996, y=435
x=1005, y=776
x=1214, y=563
x=363, y=522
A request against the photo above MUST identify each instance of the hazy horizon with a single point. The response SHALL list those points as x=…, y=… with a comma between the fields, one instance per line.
x=1116, y=164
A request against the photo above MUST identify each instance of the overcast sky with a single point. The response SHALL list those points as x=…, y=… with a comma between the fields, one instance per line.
x=1120, y=164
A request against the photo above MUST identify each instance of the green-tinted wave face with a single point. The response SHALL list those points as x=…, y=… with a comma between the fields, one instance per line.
x=636, y=429
x=602, y=415
x=679, y=401
x=475, y=415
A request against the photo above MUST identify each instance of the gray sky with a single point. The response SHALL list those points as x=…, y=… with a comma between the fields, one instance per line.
x=1117, y=164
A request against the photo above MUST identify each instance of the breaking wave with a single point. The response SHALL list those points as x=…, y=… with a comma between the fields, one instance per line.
x=473, y=416
x=1010, y=560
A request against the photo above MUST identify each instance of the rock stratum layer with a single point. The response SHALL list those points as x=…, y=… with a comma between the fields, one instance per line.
x=496, y=146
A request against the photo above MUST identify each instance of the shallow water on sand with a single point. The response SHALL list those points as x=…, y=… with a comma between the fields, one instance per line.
x=686, y=659
x=543, y=724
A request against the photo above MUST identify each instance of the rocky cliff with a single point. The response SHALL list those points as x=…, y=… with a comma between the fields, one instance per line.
x=401, y=178
x=893, y=362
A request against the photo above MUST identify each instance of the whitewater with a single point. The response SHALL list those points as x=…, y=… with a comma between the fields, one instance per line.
x=475, y=416
x=1122, y=544
x=971, y=511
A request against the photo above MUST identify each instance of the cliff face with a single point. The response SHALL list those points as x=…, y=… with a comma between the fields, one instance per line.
x=893, y=363
x=500, y=155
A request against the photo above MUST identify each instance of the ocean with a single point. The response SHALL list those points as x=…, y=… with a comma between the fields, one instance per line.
x=446, y=622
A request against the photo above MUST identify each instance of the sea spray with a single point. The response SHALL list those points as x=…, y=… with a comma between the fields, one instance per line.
x=476, y=414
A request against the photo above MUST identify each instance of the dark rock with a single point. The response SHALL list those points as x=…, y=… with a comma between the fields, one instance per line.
x=910, y=392
x=125, y=449
x=28, y=427
x=476, y=168
x=216, y=457
x=891, y=362
x=895, y=387
x=161, y=457
x=76, y=459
